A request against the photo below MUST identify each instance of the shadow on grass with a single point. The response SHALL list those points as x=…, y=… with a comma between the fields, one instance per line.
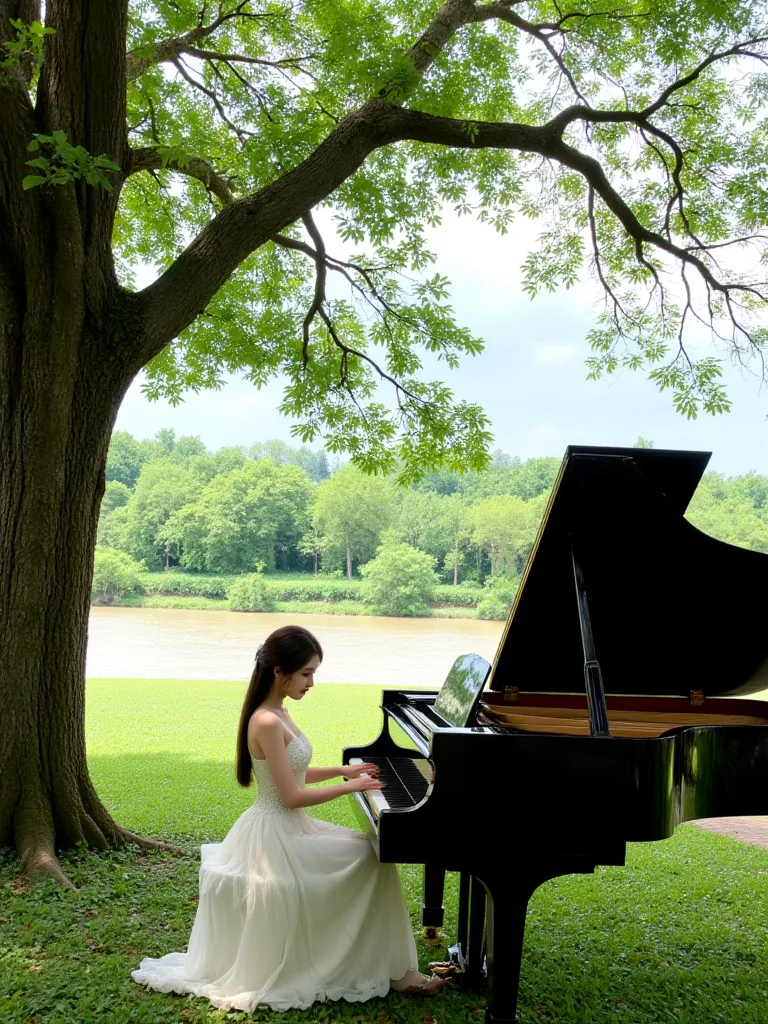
x=679, y=934
x=176, y=794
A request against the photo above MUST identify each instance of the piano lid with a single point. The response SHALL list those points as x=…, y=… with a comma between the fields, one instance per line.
x=672, y=609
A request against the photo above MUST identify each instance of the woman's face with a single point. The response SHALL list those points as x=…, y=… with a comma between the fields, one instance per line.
x=299, y=683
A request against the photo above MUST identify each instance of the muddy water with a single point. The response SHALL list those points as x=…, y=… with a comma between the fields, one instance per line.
x=160, y=643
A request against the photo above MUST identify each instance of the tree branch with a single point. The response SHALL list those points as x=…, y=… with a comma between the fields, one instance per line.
x=149, y=158
x=321, y=273
x=166, y=51
x=246, y=224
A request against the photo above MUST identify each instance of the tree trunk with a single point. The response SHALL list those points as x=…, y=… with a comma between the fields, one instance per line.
x=349, y=561
x=59, y=395
x=456, y=572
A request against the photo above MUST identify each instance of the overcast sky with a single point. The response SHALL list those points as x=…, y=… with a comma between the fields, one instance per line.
x=531, y=378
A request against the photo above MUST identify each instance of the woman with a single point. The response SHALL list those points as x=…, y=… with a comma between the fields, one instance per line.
x=292, y=910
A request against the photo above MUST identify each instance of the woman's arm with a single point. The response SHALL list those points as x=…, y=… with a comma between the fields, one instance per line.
x=323, y=774
x=270, y=734
x=347, y=771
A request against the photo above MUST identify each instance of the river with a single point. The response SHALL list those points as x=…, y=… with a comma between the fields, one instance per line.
x=161, y=643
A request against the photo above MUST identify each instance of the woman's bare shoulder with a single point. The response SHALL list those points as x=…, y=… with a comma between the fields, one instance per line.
x=263, y=718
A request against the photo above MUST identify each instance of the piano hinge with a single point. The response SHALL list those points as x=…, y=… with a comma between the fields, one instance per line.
x=511, y=694
x=697, y=697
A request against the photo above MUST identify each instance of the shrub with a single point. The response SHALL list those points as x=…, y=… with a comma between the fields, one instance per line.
x=464, y=595
x=250, y=594
x=115, y=574
x=498, y=595
x=183, y=584
x=400, y=580
x=492, y=608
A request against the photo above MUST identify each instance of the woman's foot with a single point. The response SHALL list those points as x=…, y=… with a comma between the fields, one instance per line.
x=416, y=984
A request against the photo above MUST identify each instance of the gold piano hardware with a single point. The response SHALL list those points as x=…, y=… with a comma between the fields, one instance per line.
x=511, y=694
x=697, y=697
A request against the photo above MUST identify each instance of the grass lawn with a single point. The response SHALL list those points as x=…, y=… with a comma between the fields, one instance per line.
x=680, y=934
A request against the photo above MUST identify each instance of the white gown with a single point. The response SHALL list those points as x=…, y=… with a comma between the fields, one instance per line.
x=292, y=911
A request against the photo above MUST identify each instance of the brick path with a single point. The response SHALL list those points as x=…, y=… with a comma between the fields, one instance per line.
x=752, y=830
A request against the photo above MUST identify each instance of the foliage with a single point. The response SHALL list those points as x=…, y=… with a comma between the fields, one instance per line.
x=58, y=162
x=250, y=594
x=115, y=496
x=498, y=595
x=115, y=574
x=163, y=487
x=113, y=529
x=400, y=580
x=241, y=518
x=727, y=510
x=248, y=508
x=505, y=528
x=351, y=510
x=65, y=955
x=639, y=157
x=25, y=52
x=188, y=584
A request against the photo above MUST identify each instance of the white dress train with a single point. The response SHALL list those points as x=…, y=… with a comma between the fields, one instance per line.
x=292, y=911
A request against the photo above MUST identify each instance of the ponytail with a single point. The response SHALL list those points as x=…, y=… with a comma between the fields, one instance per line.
x=289, y=649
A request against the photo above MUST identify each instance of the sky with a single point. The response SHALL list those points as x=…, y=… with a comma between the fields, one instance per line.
x=530, y=379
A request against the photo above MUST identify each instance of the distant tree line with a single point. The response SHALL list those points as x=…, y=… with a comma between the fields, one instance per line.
x=171, y=503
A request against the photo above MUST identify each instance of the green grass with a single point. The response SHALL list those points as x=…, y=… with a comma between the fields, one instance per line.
x=680, y=934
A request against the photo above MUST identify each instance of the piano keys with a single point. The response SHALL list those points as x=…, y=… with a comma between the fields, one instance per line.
x=407, y=783
x=615, y=708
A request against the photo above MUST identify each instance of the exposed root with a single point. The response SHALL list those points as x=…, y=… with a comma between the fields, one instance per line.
x=150, y=844
x=38, y=863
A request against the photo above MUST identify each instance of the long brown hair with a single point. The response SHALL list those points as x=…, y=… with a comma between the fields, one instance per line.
x=287, y=648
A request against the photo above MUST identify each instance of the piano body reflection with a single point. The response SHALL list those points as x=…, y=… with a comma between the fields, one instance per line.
x=610, y=716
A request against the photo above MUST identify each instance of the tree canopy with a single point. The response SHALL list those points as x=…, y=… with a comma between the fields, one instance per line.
x=619, y=125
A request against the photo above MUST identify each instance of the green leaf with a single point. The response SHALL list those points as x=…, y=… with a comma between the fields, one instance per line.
x=31, y=181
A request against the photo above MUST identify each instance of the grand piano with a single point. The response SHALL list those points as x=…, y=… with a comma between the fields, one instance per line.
x=613, y=711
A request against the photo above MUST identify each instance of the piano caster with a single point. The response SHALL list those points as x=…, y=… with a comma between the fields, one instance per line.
x=433, y=936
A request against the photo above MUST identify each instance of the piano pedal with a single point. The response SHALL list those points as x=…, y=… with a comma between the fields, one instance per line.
x=444, y=969
x=432, y=936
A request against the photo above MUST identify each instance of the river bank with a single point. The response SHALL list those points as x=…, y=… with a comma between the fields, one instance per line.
x=212, y=604
x=298, y=593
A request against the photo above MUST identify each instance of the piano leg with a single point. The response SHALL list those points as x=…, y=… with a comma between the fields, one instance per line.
x=432, y=910
x=469, y=952
x=508, y=897
x=476, y=957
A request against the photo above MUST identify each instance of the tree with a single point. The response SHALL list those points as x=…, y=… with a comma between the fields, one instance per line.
x=504, y=527
x=163, y=487
x=721, y=509
x=242, y=518
x=351, y=511
x=115, y=496
x=643, y=442
x=124, y=458
x=400, y=580
x=630, y=140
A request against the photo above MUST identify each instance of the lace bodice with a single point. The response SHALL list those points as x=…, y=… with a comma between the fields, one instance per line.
x=299, y=751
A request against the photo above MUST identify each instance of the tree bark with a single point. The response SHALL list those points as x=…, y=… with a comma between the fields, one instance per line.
x=62, y=378
x=349, y=561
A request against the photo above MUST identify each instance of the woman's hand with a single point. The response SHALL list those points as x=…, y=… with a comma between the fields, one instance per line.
x=364, y=782
x=354, y=771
